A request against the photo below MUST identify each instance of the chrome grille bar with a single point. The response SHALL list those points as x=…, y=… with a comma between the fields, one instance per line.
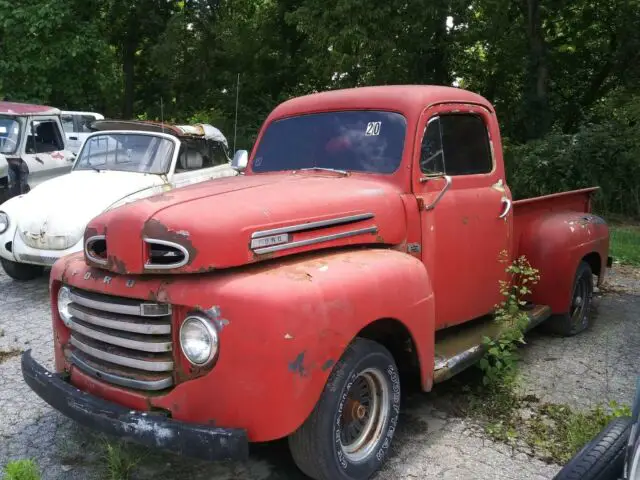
x=125, y=324
x=103, y=336
x=127, y=307
x=149, y=366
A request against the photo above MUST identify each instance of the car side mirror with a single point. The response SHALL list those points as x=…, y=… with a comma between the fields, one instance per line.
x=240, y=160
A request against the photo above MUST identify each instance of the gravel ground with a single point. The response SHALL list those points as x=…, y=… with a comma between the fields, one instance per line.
x=596, y=366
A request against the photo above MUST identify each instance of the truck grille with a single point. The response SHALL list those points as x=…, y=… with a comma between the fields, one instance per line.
x=121, y=341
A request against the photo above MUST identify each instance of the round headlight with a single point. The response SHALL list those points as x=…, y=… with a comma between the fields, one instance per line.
x=198, y=340
x=4, y=222
x=64, y=300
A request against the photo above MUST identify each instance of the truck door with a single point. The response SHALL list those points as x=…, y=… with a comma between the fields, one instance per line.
x=44, y=150
x=466, y=218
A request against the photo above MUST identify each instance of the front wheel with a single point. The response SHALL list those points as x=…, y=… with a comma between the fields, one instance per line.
x=21, y=271
x=348, y=434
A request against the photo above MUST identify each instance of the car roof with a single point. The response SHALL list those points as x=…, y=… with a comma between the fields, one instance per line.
x=199, y=130
x=406, y=99
x=15, y=108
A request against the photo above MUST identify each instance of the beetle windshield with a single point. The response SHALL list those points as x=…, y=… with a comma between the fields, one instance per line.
x=362, y=141
x=127, y=152
x=9, y=134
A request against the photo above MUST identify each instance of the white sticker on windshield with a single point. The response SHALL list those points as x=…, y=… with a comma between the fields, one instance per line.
x=373, y=128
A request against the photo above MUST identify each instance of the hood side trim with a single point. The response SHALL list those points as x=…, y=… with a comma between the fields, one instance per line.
x=302, y=227
x=312, y=241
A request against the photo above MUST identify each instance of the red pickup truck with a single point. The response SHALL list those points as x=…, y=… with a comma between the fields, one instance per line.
x=360, y=247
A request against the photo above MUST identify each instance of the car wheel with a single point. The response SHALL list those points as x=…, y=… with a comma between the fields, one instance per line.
x=349, y=432
x=579, y=316
x=21, y=271
x=603, y=457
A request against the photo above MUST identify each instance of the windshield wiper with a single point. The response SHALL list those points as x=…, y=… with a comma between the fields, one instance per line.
x=324, y=169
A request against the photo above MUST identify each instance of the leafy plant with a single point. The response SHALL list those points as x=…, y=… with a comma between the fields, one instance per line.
x=500, y=363
x=119, y=460
x=24, y=469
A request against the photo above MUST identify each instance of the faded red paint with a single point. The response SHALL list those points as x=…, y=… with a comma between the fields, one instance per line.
x=14, y=108
x=290, y=317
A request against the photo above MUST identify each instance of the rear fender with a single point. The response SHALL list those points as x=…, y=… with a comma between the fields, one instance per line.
x=284, y=326
x=555, y=244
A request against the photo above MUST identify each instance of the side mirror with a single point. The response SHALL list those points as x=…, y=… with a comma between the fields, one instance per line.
x=240, y=160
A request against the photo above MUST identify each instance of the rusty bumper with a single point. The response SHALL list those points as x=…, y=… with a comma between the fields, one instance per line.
x=199, y=441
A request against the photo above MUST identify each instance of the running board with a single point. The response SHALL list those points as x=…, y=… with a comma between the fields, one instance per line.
x=459, y=347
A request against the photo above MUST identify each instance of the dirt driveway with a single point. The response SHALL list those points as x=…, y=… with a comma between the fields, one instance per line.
x=596, y=366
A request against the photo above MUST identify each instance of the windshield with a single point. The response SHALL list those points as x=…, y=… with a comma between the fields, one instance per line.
x=363, y=141
x=9, y=134
x=127, y=152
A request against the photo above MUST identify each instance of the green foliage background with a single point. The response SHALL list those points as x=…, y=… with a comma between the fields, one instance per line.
x=564, y=75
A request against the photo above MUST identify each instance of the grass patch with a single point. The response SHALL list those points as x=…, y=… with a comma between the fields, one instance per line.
x=625, y=244
x=25, y=469
x=119, y=460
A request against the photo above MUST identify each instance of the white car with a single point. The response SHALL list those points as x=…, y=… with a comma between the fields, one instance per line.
x=121, y=162
x=32, y=147
x=77, y=127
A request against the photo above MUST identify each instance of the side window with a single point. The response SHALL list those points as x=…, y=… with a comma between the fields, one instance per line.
x=465, y=143
x=67, y=123
x=84, y=121
x=44, y=137
x=431, y=155
x=199, y=154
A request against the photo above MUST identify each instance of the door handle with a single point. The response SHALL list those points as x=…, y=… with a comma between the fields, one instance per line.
x=73, y=138
x=508, y=203
x=447, y=184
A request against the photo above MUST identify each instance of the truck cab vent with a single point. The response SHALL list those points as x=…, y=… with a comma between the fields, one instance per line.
x=164, y=255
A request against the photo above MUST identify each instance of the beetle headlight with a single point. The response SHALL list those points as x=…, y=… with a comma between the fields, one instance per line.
x=4, y=222
x=198, y=340
x=64, y=300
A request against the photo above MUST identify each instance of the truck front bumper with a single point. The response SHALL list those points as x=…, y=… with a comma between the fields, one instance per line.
x=199, y=441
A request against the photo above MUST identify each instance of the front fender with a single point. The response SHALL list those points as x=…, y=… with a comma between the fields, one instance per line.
x=555, y=244
x=285, y=325
x=12, y=208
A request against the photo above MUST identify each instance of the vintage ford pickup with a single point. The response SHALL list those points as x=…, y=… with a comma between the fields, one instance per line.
x=361, y=247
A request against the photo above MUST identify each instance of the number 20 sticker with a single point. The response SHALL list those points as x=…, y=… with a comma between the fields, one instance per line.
x=373, y=128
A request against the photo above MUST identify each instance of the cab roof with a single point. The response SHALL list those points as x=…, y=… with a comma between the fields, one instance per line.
x=17, y=109
x=406, y=99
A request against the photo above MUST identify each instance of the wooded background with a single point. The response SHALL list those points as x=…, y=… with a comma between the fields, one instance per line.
x=564, y=75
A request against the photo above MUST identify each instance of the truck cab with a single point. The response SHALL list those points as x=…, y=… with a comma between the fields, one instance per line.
x=361, y=246
x=33, y=144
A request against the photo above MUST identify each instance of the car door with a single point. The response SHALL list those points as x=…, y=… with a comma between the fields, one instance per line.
x=44, y=150
x=465, y=215
x=196, y=164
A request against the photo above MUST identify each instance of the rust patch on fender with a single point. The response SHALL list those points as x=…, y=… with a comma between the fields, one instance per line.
x=327, y=365
x=161, y=197
x=297, y=366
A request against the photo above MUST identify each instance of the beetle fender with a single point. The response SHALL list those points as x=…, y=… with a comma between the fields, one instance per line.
x=555, y=244
x=283, y=327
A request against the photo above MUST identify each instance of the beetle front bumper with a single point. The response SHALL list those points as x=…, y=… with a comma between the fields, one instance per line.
x=199, y=441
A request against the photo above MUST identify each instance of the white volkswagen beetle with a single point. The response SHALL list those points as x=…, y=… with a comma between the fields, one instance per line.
x=121, y=162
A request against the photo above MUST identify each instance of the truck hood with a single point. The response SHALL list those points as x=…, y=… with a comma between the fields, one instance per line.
x=240, y=220
x=53, y=215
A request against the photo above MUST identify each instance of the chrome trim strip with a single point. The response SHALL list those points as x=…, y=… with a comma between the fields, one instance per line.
x=89, y=241
x=148, y=366
x=119, y=380
x=114, y=307
x=312, y=241
x=101, y=321
x=146, y=346
x=310, y=226
x=182, y=263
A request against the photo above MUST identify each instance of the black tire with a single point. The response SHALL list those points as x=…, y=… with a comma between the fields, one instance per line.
x=317, y=446
x=21, y=271
x=603, y=457
x=578, y=318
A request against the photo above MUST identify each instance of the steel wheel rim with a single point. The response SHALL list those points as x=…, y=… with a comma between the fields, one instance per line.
x=365, y=415
x=579, y=302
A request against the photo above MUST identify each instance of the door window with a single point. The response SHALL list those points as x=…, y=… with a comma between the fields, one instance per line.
x=44, y=137
x=67, y=123
x=456, y=144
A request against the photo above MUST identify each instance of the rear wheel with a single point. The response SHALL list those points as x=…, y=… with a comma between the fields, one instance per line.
x=21, y=271
x=348, y=434
x=579, y=315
